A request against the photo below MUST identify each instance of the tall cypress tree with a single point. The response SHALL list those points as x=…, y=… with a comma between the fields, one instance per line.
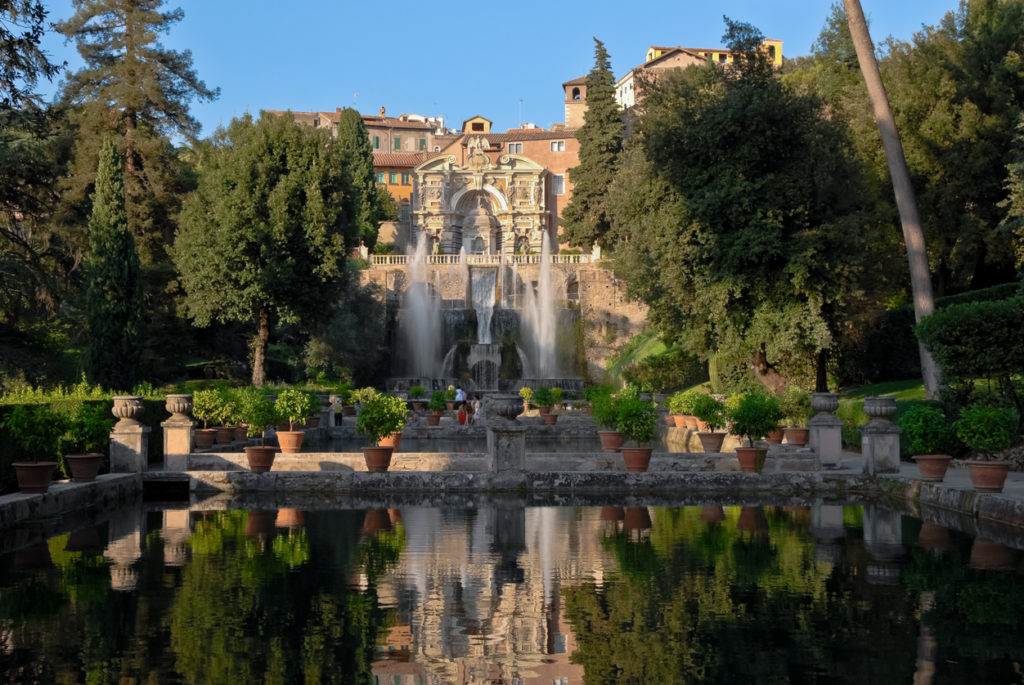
x=584, y=220
x=374, y=202
x=113, y=300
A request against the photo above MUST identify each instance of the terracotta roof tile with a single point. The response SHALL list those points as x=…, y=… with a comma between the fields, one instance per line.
x=576, y=81
x=399, y=159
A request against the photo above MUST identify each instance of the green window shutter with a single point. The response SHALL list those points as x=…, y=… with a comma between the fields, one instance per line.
x=393, y=177
x=376, y=142
x=398, y=143
x=423, y=143
x=405, y=179
x=381, y=177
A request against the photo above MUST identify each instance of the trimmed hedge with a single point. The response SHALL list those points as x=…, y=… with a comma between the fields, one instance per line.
x=979, y=339
x=883, y=347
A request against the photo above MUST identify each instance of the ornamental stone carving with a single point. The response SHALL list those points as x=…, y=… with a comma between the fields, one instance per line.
x=503, y=408
x=179, y=407
x=880, y=407
x=128, y=409
x=825, y=402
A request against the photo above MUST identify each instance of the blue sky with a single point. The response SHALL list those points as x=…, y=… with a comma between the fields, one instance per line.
x=505, y=61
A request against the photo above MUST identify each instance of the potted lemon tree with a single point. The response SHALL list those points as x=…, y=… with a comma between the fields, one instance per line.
x=637, y=420
x=36, y=433
x=380, y=417
x=753, y=417
x=436, y=408
x=293, y=405
x=87, y=438
x=257, y=411
x=205, y=408
x=796, y=406
x=710, y=415
x=605, y=410
x=987, y=431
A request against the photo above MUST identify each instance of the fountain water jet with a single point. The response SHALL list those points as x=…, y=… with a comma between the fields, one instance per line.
x=539, y=311
x=421, y=330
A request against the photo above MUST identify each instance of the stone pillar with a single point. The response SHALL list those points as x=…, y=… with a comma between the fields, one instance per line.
x=880, y=437
x=178, y=433
x=826, y=429
x=506, y=437
x=129, y=441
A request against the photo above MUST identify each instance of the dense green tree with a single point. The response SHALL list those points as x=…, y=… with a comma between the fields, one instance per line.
x=746, y=218
x=133, y=88
x=113, y=300
x=585, y=220
x=1013, y=222
x=264, y=237
x=375, y=204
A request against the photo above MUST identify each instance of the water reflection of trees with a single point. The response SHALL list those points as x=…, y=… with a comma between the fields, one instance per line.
x=737, y=600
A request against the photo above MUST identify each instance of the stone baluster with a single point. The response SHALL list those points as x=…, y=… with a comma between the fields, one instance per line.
x=129, y=440
x=178, y=432
x=880, y=437
x=506, y=437
x=826, y=429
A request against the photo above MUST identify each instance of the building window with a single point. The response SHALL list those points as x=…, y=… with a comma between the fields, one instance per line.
x=316, y=123
x=382, y=177
x=515, y=148
x=722, y=58
x=376, y=142
x=403, y=213
x=575, y=93
x=398, y=142
x=558, y=184
x=477, y=126
x=558, y=146
x=393, y=178
x=405, y=179
x=771, y=52
x=423, y=143
x=437, y=148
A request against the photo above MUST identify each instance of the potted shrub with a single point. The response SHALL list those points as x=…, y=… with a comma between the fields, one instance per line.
x=381, y=417
x=544, y=400
x=36, y=434
x=225, y=415
x=526, y=392
x=449, y=397
x=416, y=395
x=685, y=406
x=986, y=431
x=637, y=420
x=293, y=405
x=927, y=433
x=753, y=417
x=606, y=414
x=436, y=407
x=710, y=413
x=86, y=440
x=796, y=409
x=204, y=408
x=557, y=397
x=257, y=411
x=676, y=415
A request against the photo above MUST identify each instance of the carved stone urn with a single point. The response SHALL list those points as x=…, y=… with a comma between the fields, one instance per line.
x=881, y=408
x=825, y=402
x=128, y=409
x=503, y=408
x=180, y=408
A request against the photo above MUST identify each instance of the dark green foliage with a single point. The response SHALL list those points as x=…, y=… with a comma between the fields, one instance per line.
x=374, y=204
x=755, y=416
x=986, y=429
x=257, y=411
x=22, y=62
x=437, y=401
x=264, y=237
x=37, y=431
x=585, y=220
x=114, y=305
x=542, y=397
x=88, y=429
x=637, y=420
x=710, y=411
x=605, y=407
x=926, y=430
x=672, y=369
x=381, y=416
x=1013, y=222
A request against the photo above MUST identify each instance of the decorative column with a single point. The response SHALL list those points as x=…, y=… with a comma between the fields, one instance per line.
x=826, y=429
x=178, y=432
x=880, y=437
x=506, y=437
x=129, y=441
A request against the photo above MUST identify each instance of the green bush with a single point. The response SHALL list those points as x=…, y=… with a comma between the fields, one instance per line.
x=526, y=392
x=437, y=401
x=985, y=429
x=295, y=406
x=88, y=430
x=926, y=430
x=450, y=393
x=542, y=397
x=605, y=409
x=36, y=431
x=256, y=410
x=364, y=395
x=205, y=406
x=754, y=416
x=981, y=339
x=557, y=395
x=670, y=370
x=796, y=406
x=636, y=419
x=682, y=401
x=382, y=416
x=417, y=392
x=710, y=411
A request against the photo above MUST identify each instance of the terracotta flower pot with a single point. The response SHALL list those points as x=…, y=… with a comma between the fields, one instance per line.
x=796, y=436
x=416, y=405
x=932, y=466
x=711, y=442
x=288, y=518
x=775, y=437
x=34, y=477
x=240, y=432
x=991, y=556
x=637, y=459
x=544, y=411
x=434, y=418
x=550, y=419
x=84, y=467
x=751, y=458
x=449, y=405
x=392, y=440
x=376, y=520
x=691, y=421
x=611, y=441
x=752, y=520
x=678, y=420
x=712, y=514
x=378, y=459
x=933, y=537
x=701, y=426
x=290, y=441
x=204, y=438
x=988, y=476
x=260, y=524
x=261, y=459
x=225, y=435
x=612, y=513
x=636, y=518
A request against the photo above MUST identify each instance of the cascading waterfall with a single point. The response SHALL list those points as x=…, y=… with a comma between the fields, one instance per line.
x=482, y=289
x=421, y=320
x=539, y=309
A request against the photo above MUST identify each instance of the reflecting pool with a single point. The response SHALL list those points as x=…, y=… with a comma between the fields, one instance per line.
x=506, y=593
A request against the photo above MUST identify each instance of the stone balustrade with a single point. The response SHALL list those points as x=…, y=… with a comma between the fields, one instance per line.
x=480, y=259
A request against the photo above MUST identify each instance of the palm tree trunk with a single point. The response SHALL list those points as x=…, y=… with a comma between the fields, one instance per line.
x=913, y=235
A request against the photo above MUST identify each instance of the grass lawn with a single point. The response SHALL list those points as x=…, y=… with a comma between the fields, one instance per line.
x=901, y=390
